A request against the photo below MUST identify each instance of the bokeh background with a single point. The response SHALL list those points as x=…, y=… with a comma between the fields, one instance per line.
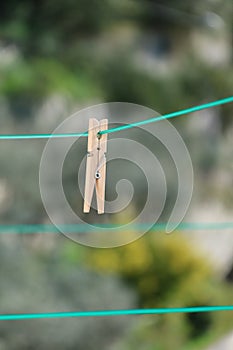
x=57, y=57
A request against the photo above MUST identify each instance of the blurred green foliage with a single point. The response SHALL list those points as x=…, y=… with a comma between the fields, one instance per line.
x=88, y=51
x=165, y=271
x=26, y=84
x=38, y=278
x=61, y=49
x=49, y=27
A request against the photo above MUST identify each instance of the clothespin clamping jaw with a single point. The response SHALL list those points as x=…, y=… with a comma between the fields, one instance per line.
x=96, y=165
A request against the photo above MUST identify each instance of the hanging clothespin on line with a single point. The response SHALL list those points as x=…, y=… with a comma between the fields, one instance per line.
x=96, y=165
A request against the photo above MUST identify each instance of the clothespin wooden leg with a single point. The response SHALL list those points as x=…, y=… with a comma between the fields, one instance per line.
x=89, y=184
x=91, y=164
x=100, y=183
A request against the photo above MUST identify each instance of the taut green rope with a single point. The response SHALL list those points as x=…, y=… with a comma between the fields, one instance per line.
x=83, y=228
x=101, y=313
x=40, y=136
x=169, y=115
x=123, y=127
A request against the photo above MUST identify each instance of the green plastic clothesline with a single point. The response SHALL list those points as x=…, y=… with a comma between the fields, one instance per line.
x=123, y=127
x=40, y=136
x=101, y=313
x=170, y=115
x=83, y=228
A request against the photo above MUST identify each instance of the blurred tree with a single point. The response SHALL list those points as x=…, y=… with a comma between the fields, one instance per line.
x=44, y=281
x=160, y=268
x=26, y=84
x=170, y=14
x=124, y=82
x=165, y=271
x=48, y=27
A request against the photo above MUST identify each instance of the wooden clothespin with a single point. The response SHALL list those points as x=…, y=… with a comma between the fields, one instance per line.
x=96, y=165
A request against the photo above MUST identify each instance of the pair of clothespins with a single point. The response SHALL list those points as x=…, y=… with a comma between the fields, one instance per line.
x=96, y=165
